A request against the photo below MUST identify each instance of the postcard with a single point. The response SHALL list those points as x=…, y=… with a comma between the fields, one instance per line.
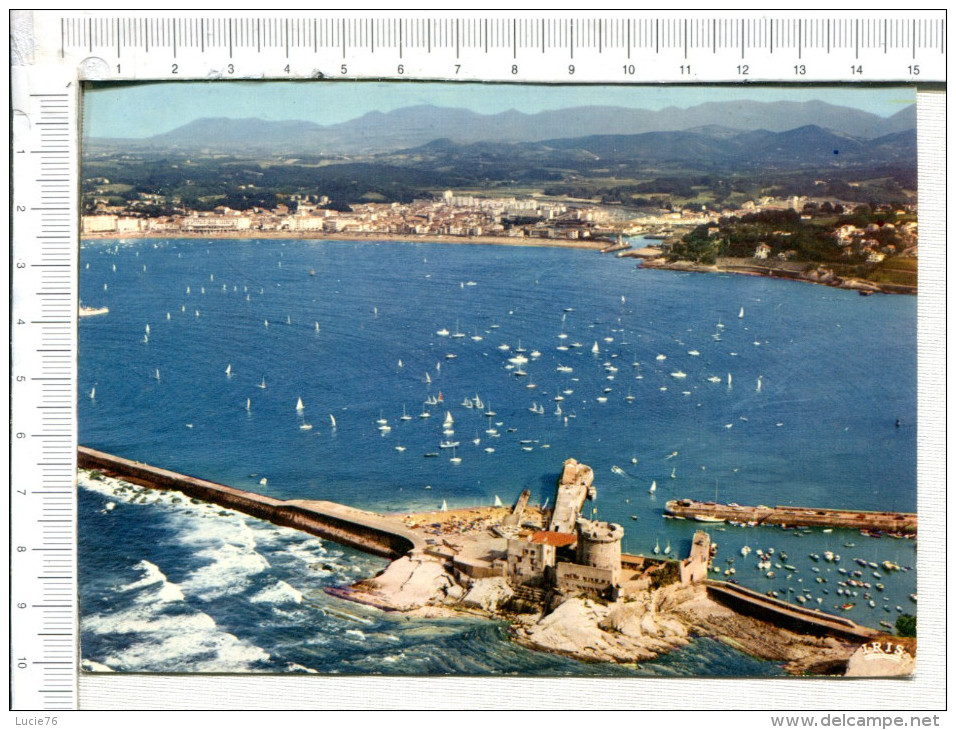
x=490, y=380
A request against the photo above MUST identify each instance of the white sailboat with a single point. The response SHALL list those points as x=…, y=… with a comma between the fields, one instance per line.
x=157, y=374
x=316, y=326
x=405, y=416
x=657, y=547
x=759, y=382
x=228, y=370
x=730, y=380
x=596, y=350
x=740, y=315
x=449, y=421
x=248, y=404
x=332, y=419
x=428, y=378
x=667, y=548
x=444, y=506
x=93, y=393
x=498, y=502
x=653, y=487
x=263, y=383
x=299, y=406
x=674, y=473
x=455, y=459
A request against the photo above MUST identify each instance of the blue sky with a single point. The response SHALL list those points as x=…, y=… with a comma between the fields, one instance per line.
x=148, y=109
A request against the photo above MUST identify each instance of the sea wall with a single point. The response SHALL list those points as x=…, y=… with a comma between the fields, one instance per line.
x=785, y=615
x=903, y=523
x=348, y=526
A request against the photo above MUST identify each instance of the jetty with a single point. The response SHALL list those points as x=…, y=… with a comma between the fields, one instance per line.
x=359, y=529
x=787, y=615
x=894, y=523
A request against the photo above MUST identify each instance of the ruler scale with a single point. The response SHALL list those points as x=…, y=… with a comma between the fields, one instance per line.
x=67, y=48
x=43, y=464
x=654, y=48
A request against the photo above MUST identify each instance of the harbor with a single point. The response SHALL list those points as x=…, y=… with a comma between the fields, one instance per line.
x=896, y=524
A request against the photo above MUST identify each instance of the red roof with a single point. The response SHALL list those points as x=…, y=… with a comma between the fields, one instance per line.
x=558, y=539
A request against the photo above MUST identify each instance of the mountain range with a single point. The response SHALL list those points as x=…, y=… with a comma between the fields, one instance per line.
x=416, y=126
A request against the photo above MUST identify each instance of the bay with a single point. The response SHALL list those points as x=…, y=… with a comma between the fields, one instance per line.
x=835, y=372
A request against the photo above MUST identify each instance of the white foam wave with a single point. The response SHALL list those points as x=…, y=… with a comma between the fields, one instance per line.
x=186, y=642
x=279, y=593
x=293, y=667
x=153, y=576
x=393, y=658
x=88, y=665
x=227, y=573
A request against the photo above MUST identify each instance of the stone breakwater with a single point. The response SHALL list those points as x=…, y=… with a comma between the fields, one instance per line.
x=897, y=523
x=356, y=528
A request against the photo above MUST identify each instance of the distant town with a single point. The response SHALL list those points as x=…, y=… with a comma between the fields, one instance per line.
x=471, y=216
x=450, y=215
x=869, y=243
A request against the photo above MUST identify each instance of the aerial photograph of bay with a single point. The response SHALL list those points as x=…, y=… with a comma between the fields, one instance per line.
x=498, y=379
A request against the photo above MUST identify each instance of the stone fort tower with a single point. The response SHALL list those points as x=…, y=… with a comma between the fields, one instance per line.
x=599, y=546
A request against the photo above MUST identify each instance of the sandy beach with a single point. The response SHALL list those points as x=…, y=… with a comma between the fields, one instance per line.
x=592, y=245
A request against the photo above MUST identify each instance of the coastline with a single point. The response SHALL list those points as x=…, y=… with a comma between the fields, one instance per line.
x=746, y=267
x=819, y=274
x=591, y=245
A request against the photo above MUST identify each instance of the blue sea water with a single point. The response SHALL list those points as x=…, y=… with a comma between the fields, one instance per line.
x=819, y=378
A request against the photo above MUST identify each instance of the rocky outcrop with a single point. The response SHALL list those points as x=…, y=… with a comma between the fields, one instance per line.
x=406, y=584
x=488, y=594
x=881, y=659
x=799, y=653
x=623, y=632
x=814, y=275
